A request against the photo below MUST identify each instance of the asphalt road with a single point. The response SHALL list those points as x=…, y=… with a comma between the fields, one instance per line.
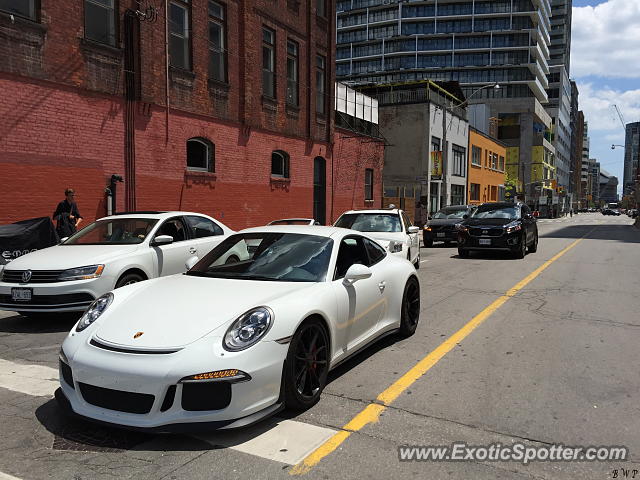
x=555, y=363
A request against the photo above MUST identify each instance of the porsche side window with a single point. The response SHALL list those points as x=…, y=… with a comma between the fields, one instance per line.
x=351, y=252
x=203, y=227
x=175, y=228
x=375, y=251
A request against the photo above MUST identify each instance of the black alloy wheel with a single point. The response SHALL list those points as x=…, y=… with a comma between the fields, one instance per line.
x=462, y=253
x=231, y=259
x=533, y=248
x=410, y=314
x=128, y=279
x=522, y=246
x=428, y=243
x=307, y=365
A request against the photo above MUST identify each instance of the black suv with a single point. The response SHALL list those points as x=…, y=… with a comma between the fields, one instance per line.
x=441, y=227
x=499, y=226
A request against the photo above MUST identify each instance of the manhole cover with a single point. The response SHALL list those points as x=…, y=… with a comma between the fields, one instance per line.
x=85, y=437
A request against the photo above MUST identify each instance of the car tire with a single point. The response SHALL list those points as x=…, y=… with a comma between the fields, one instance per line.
x=533, y=248
x=462, y=253
x=410, y=309
x=428, y=243
x=306, y=362
x=522, y=247
x=129, y=279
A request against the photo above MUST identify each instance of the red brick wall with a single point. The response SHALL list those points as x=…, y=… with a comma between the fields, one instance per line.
x=53, y=137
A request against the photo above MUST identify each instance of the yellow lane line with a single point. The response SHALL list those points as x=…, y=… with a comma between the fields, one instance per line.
x=372, y=412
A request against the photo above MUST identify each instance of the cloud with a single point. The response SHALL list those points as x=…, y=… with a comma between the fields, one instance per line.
x=605, y=40
x=597, y=104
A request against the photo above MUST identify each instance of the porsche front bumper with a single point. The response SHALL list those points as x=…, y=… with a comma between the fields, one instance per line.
x=144, y=391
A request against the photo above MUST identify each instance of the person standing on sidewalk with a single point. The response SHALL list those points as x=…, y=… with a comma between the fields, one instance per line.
x=67, y=215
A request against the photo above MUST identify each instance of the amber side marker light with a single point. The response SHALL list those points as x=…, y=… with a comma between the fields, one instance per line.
x=233, y=375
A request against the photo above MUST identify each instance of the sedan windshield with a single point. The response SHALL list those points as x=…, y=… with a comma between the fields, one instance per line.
x=118, y=231
x=285, y=257
x=370, y=222
x=494, y=211
x=450, y=213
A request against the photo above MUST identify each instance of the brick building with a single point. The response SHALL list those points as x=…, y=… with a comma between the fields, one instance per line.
x=486, y=181
x=226, y=109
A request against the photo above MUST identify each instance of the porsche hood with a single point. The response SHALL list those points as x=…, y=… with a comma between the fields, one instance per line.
x=172, y=312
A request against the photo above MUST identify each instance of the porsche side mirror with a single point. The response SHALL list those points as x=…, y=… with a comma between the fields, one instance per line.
x=162, y=240
x=357, y=272
x=191, y=261
x=413, y=229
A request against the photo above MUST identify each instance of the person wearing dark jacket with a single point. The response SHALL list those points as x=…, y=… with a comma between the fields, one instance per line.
x=67, y=215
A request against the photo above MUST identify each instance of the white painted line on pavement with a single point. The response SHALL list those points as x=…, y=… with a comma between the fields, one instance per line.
x=424, y=261
x=36, y=380
x=6, y=476
x=287, y=442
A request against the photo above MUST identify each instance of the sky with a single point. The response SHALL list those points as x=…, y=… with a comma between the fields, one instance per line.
x=605, y=62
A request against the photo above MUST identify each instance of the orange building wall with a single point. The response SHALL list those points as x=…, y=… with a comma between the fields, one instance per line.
x=485, y=175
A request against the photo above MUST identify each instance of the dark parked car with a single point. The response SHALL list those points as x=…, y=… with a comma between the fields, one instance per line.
x=499, y=226
x=442, y=226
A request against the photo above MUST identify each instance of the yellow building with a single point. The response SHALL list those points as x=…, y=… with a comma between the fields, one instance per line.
x=487, y=163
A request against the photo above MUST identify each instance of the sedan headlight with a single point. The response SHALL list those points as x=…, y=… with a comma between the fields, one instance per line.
x=395, y=247
x=82, y=273
x=248, y=329
x=514, y=228
x=94, y=311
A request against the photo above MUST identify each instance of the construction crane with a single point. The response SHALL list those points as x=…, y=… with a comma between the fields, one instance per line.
x=624, y=124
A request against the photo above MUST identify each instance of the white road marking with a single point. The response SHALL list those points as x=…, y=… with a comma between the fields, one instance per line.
x=35, y=380
x=6, y=476
x=287, y=441
x=424, y=261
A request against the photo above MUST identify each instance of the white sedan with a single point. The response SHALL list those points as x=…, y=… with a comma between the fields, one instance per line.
x=107, y=254
x=392, y=228
x=226, y=345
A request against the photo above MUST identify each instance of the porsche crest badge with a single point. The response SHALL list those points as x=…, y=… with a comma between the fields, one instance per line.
x=138, y=334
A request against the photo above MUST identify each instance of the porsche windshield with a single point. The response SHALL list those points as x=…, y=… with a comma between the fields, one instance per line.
x=370, y=222
x=285, y=257
x=119, y=231
x=493, y=211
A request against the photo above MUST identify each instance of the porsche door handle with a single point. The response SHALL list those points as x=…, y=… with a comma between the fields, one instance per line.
x=193, y=250
x=382, y=286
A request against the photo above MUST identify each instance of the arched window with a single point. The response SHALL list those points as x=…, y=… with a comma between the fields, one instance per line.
x=200, y=155
x=280, y=164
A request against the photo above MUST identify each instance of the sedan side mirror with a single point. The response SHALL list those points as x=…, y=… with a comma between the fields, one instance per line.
x=413, y=229
x=191, y=261
x=357, y=272
x=465, y=216
x=162, y=240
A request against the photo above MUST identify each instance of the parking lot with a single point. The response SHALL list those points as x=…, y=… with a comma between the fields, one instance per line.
x=541, y=351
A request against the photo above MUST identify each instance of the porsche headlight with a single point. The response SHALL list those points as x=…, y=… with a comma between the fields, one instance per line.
x=94, y=311
x=248, y=329
x=82, y=273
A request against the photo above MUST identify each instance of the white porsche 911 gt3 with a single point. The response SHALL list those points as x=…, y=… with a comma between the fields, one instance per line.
x=227, y=344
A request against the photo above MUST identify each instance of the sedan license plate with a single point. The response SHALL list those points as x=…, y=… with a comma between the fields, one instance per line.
x=484, y=241
x=440, y=234
x=21, y=294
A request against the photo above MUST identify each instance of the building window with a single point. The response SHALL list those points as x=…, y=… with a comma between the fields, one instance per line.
x=321, y=8
x=494, y=193
x=368, y=184
x=459, y=161
x=217, y=42
x=321, y=82
x=179, y=41
x=435, y=144
x=476, y=156
x=200, y=155
x=493, y=160
x=99, y=21
x=457, y=194
x=268, y=63
x=279, y=164
x=21, y=8
x=501, y=163
x=474, y=192
x=292, y=73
